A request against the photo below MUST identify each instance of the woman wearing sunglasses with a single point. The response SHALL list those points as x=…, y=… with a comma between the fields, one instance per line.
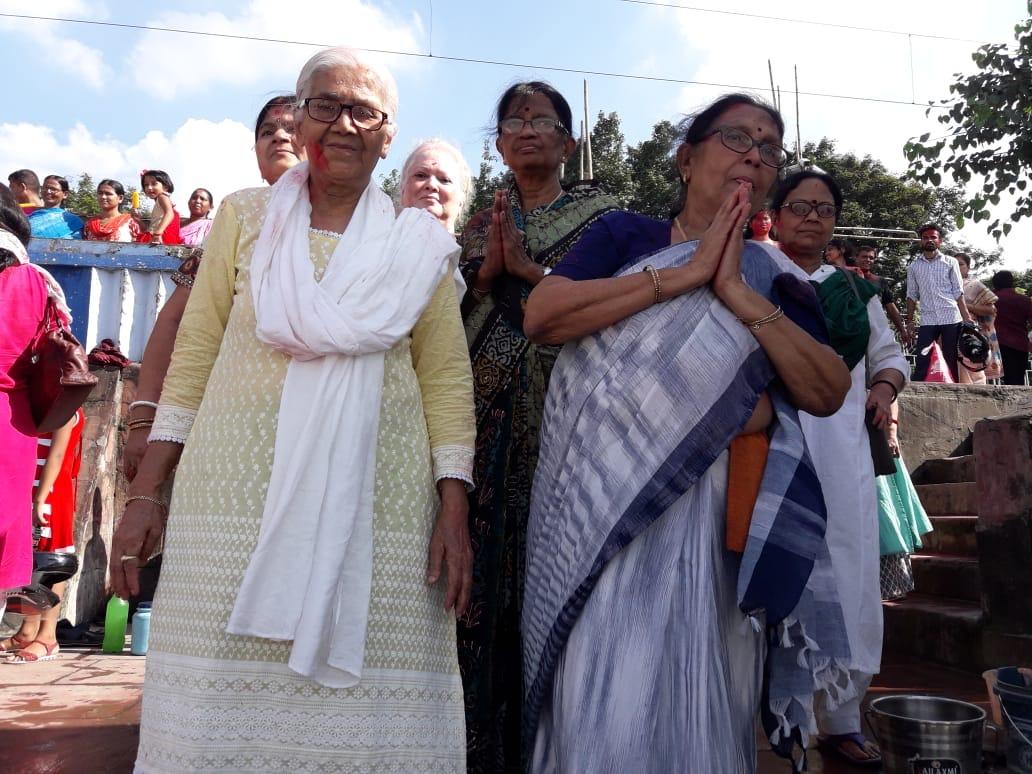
x=806, y=207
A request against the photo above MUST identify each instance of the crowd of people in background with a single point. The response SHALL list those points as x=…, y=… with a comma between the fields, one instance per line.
x=118, y=220
x=486, y=502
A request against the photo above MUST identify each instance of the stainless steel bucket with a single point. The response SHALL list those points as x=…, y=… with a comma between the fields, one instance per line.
x=927, y=734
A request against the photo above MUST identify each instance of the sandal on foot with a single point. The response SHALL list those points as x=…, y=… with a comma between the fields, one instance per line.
x=838, y=745
x=17, y=643
x=25, y=656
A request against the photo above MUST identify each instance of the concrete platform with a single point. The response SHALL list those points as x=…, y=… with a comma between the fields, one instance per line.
x=80, y=713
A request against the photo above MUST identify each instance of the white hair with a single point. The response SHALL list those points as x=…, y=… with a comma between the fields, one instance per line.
x=465, y=177
x=359, y=62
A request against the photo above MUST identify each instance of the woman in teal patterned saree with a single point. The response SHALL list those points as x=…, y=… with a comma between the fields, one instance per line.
x=507, y=249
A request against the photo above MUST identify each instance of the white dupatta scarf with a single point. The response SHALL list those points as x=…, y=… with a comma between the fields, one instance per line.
x=309, y=577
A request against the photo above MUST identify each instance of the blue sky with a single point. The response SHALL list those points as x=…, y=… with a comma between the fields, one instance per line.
x=111, y=101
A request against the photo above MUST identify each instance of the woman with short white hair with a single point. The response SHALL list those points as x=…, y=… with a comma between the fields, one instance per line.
x=321, y=376
x=436, y=178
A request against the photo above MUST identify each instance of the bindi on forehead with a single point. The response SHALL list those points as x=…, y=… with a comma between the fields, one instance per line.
x=533, y=105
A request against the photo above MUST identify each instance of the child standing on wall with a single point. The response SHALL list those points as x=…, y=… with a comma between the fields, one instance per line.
x=164, y=220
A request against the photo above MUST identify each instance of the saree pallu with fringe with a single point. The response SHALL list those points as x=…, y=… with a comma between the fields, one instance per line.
x=510, y=376
x=628, y=503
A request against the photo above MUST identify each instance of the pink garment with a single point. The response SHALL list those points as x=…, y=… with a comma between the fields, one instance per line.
x=195, y=233
x=938, y=370
x=23, y=297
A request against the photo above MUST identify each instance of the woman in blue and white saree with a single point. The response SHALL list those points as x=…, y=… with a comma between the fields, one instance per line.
x=649, y=645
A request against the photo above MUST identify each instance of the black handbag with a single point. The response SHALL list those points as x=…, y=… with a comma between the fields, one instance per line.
x=881, y=455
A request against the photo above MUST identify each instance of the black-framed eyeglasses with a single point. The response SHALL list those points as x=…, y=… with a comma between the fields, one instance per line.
x=738, y=141
x=801, y=209
x=542, y=125
x=326, y=111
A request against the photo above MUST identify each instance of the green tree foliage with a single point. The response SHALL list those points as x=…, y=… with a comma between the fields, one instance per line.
x=653, y=172
x=610, y=169
x=989, y=133
x=1023, y=281
x=485, y=183
x=82, y=199
x=875, y=198
x=390, y=184
x=642, y=177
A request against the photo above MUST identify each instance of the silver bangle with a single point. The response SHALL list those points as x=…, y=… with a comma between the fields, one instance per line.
x=147, y=403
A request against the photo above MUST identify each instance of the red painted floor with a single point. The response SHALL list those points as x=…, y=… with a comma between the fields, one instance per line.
x=81, y=712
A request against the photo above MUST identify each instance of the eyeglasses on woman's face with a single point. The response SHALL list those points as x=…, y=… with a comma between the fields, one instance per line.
x=541, y=125
x=801, y=209
x=327, y=111
x=738, y=141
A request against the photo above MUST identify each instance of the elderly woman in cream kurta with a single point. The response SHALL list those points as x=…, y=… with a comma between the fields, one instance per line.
x=321, y=387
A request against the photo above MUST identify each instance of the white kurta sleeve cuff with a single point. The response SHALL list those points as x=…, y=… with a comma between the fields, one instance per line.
x=172, y=423
x=453, y=462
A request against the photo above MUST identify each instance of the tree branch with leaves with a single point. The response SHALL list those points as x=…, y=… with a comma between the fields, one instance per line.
x=989, y=117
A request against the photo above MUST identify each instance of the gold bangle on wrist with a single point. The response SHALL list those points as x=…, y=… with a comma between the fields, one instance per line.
x=657, y=286
x=755, y=325
x=161, y=504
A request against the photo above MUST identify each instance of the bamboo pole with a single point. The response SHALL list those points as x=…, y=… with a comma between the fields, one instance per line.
x=587, y=133
x=799, y=132
x=581, y=154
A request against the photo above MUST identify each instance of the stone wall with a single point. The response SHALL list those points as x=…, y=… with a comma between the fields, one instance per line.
x=1003, y=459
x=936, y=420
x=101, y=491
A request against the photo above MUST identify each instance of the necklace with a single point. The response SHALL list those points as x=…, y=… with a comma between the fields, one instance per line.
x=558, y=196
x=680, y=230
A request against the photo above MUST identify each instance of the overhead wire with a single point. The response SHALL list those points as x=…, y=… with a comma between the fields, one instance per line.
x=461, y=59
x=816, y=23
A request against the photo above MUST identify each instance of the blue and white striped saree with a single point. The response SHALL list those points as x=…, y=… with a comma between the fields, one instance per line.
x=643, y=636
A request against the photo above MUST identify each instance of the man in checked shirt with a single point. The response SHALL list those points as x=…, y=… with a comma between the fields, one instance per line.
x=933, y=281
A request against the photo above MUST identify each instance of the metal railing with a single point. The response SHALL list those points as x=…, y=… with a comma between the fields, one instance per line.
x=876, y=234
x=114, y=289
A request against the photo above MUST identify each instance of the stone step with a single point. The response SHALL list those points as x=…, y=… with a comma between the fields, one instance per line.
x=945, y=575
x=1004, y=648
x=949, y=499
x=945, y=470
x=952, y=535
x=947, y=631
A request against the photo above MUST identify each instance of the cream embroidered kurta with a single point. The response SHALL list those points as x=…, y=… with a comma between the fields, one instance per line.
x=219, y=702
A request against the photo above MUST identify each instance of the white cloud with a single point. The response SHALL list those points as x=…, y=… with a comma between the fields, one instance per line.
x=205, y=63
x=735, y=50
x=70, y=55
x=200, y=153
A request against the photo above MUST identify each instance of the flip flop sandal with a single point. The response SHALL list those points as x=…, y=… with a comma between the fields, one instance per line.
x=833, y=745
x=23, y=656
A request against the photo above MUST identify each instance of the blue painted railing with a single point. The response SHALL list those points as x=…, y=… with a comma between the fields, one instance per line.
x=114, y=289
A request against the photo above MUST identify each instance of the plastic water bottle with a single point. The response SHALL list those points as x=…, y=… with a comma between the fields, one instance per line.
x=114, y=625
x=141, y=629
